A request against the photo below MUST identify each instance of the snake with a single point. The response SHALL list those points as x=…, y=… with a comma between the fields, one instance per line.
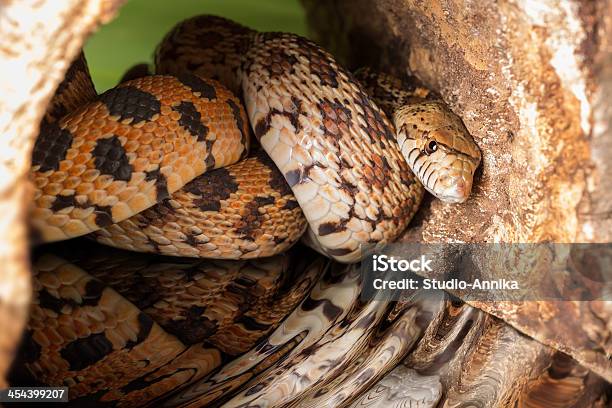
x=164, y=164
x=120, y=327
x=341, y=161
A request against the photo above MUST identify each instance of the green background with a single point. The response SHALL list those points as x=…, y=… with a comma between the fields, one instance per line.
x=141, y=24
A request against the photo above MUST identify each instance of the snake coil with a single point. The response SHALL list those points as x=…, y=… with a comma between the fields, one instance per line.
x=161, y=164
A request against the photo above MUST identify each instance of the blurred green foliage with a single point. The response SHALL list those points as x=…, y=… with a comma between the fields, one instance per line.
x=141, y=24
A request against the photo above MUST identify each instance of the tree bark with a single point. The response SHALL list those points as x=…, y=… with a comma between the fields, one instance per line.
x=531, y=80
x=39, y=40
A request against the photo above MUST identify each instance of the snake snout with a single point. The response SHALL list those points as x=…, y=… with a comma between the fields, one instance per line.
x=457, y=192
x=455, y=183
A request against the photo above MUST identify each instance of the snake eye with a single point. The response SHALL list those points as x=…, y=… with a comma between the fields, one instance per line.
x=431, y=147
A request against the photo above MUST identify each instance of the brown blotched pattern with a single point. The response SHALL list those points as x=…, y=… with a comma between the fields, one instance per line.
x=244, y=301
x=74, y=91
x=83, y=335
x=129, y=149
x=209, y=46
x=325, y=353
x=243, y=211
x=330, y=310
x=335, y=147
x=390, y=92
x=104, y=340
x=222, y=299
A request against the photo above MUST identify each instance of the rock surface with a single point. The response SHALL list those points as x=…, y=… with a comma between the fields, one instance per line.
x=530, y=79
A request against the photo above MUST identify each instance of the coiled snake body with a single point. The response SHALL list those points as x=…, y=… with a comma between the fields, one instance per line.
x=143, y=167
x=141, y=142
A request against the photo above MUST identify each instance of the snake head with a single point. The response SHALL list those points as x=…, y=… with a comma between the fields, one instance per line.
x=439, y=149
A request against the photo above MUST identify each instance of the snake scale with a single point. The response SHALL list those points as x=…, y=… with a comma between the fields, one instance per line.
x=161, y=164
x=142, y=141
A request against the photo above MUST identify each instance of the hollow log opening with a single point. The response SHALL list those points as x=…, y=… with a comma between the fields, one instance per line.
x=529, y=79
